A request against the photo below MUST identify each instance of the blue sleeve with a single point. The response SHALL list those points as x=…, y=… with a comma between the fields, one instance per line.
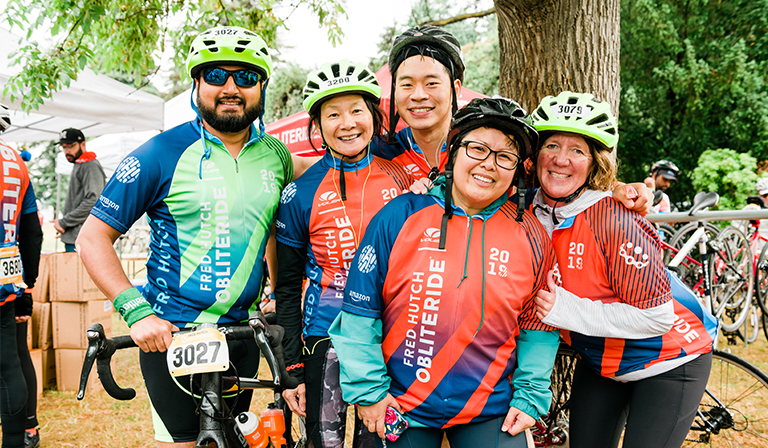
x=292, y=222
x=536, y=351
x=29, y=203
x=363, y=373
x=143, y=178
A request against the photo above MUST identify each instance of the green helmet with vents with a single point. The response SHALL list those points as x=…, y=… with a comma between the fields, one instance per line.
x=229, y=45
x=335, y=78
x=579, y=113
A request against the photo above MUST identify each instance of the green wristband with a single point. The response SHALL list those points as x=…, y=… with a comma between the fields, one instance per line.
x=132, y=306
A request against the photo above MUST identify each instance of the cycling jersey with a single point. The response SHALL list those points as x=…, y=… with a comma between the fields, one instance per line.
x=18, y=199
x=608, y=254
x=210, y=216
x=406, y=152
x=450, y=319
x=313, y=218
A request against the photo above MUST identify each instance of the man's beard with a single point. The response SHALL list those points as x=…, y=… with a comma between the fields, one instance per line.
x=73, y=158
x=229, y=122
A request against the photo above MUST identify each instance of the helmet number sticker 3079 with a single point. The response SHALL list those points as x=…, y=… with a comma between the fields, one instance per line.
x=571, y=110
x=198, y=351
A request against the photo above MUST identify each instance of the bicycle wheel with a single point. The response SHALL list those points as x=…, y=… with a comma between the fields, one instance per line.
x=732, y=411
x=552, y=429
x=750, y=330
x=730, y=267
x=764, y=319
x=295, y=429
x=690, y=273
x=666, y=231
x=761, y=280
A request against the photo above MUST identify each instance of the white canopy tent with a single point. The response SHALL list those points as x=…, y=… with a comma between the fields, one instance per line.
x=110, y=149
x=96, y=104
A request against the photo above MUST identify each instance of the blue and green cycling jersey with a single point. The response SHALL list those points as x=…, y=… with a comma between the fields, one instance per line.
x=210, y=216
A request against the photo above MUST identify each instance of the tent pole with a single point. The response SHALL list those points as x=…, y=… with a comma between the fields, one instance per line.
x=58, y=205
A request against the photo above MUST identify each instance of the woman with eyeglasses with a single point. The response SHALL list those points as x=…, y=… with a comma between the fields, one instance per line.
x=644, y=340
x=438, y=320
x=322, y=217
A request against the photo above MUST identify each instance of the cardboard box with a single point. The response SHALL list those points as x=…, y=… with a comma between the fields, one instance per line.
x=72, y=319
x=42, y=334
x=69, y=281
x=69, y=365
x=37, y=362
x=48, y=369
x=40, y=291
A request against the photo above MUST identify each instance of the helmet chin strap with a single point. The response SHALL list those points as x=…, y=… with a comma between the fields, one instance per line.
x=564, y=200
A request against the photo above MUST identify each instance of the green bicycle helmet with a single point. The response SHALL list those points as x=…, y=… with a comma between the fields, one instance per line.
x=336, y=78
x=229, y=45
x=579, y=113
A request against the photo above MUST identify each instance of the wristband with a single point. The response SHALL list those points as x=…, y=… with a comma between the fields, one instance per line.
x=132, y=306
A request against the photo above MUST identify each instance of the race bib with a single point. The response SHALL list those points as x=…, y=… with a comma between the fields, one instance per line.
x=10, y=265
x=198, y=351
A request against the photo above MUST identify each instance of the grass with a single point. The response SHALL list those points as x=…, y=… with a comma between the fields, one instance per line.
x=101, y=422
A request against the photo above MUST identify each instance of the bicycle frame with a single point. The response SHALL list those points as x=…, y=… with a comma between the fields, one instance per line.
x=216, y=424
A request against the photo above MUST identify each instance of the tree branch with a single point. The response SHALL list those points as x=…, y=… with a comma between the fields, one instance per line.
x=459, y=18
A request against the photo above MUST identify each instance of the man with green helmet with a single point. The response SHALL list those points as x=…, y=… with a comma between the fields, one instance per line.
x=210, y=189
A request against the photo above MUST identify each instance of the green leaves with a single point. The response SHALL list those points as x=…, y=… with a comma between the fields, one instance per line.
x=129, y=36
x=727, y=172
x=694, y=78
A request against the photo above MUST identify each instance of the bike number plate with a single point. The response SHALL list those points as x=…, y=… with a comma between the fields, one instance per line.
x=198, y=351
x=10, y=265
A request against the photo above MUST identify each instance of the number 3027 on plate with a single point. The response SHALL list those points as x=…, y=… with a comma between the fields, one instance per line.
x=200, y=351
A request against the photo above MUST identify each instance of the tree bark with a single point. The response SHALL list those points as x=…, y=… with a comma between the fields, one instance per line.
x=547, y=46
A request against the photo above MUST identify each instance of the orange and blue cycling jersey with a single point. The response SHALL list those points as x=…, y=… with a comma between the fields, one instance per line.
x=450, y=318
x=18, y=199
x=407, y=153
x=609, y=254
x=312, y=216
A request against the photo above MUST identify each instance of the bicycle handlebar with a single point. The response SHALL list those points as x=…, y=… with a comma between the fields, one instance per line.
x=269, y=339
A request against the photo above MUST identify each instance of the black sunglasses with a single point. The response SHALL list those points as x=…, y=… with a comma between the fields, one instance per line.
x=243, y=78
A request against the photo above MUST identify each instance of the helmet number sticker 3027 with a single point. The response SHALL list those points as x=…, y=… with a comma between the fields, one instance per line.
x=198, y=351
x=571, y=110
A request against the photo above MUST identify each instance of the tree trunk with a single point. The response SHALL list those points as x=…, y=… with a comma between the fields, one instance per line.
x=547, y=46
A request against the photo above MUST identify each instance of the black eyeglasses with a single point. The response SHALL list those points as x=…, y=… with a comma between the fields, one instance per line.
x=478, y=151
x=243, y=78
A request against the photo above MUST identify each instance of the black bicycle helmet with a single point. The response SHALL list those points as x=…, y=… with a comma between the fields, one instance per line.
x=667, y=169
x=434, y=38
x=499, y=113
x=428, y=41
x=5, y=118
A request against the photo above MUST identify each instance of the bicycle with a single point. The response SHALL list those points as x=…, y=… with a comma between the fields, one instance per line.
x=728, y=415
x=217, y=423
x=714, y=265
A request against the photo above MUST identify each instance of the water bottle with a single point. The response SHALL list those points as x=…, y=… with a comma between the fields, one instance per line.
x=253, y=432
x=273, y=423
